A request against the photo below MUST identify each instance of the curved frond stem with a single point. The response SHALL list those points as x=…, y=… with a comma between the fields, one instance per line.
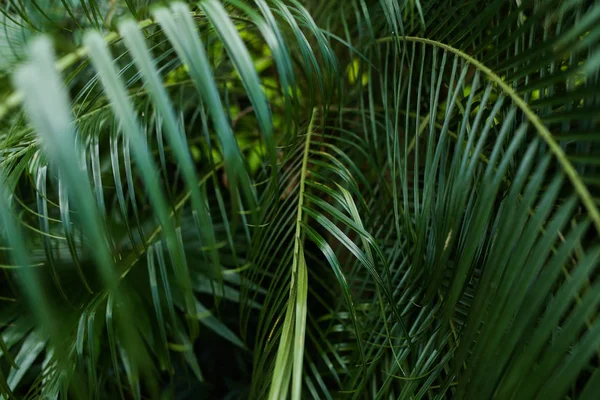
x=66, y=61
x=568, y=168
x=136, y=256
x=289, y=358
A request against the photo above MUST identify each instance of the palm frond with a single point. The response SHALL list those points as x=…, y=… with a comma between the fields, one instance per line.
x=360, y=199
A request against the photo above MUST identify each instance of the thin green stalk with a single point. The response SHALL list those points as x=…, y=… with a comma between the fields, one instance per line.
x=291, y=345
x=580, y=188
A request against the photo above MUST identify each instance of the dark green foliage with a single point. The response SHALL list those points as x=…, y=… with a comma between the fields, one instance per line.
x=284, y=199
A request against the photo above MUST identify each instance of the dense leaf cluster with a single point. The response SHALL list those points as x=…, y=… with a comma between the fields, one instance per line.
x=299, y=199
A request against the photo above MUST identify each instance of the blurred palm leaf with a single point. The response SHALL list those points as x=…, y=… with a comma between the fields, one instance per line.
x=355, y=199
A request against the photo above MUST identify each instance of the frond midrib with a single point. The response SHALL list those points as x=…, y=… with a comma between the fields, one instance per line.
x=296, y=273
x=581, y=189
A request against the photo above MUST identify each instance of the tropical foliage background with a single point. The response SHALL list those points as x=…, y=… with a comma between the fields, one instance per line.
x=261, y=199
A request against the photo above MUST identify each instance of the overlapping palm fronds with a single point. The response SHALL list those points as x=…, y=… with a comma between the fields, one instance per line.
x=353, y=199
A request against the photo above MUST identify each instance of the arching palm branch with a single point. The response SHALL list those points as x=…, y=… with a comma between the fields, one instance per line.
x=274, y=198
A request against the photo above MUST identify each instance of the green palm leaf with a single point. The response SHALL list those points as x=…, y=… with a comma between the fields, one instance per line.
x=274, y=198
